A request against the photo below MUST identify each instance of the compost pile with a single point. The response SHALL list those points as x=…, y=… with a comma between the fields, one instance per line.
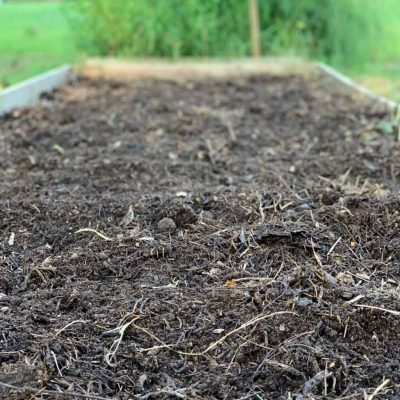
x=229, y=239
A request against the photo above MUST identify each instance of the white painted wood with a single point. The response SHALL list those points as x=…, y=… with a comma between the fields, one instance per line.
x=27, y=93
x=355, y=87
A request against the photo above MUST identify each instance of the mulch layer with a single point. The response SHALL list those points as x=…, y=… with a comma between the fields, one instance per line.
x=221, y=239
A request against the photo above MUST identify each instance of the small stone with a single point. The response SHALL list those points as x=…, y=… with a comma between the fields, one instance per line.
x=304, y=302
x=117, y=144
x=172, y=156
x=305, y=206
x=228, y=180
x=178, y=210
x=346, y=295
x=257, y=299
x=128, y=217
x=142, y=379
x=147, y=239
x=4, y=309
x=74, y=372
x=3, y=297
x=57, y=348
x=11, y=239
x=207, y=215
x=214, y=271
x=166, y=225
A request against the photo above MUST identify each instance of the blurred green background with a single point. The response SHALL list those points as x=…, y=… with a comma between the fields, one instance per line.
x=360, y=37
x=34, y=36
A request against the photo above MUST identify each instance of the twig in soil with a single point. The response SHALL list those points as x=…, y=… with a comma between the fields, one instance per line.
x=115, y=346
x=36, y=208
x=350, y=396
x=78, y=321
x=245, y=341
x=325, y=382
x=254, y=278
x=56, y=363
x=99, y=234
x=322, y=274
x=333, y=247
x=179, y=393
x=58, y=148
x=249, y=282
x=360, y=296
x=260, y=207
x=317, y=257
x=39, y=270
x=212, y=345
x=279, y=270
x=312, y=383
x=251, y=395
x=289, y=188
x=28, y=276
x=224, y=118
x=397, y=313
x=284, y=367
x=378, y=389
x=24, y=285
x=54, y=392
x=210, y=152
x=227, y=122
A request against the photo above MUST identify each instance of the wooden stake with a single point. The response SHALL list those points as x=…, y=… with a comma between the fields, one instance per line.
x=254, y=16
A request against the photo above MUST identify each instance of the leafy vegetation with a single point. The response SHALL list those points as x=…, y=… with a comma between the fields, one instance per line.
x=343, y=32
x=169, y=28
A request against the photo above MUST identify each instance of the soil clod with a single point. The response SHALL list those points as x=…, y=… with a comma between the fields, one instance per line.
x=166, y=225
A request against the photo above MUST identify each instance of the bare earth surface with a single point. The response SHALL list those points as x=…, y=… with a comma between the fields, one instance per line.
x=244, y=244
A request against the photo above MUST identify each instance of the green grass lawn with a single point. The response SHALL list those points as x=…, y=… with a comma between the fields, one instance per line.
x=34, y=37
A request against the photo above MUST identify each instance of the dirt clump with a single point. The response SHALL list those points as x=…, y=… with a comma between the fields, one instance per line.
x=166, y=225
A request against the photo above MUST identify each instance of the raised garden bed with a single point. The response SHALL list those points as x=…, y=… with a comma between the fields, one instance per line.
x=199, y=239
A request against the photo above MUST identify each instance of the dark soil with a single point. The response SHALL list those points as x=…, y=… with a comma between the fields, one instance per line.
x=245, y=244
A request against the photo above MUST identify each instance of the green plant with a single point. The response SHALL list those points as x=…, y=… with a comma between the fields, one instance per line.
x=168, y=28
x=343, y=32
